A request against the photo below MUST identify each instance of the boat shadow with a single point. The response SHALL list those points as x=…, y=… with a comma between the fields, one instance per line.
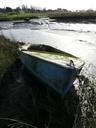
x=25, y=98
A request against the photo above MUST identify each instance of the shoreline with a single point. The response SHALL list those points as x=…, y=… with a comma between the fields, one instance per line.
x=82, y=17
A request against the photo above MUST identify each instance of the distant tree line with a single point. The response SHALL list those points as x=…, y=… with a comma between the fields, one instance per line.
x=23, y=8
x=33, y=9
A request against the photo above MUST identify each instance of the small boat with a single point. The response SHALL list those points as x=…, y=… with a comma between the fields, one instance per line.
x=55, y=68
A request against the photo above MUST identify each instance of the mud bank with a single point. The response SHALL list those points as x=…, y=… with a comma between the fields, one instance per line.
x=24, y=98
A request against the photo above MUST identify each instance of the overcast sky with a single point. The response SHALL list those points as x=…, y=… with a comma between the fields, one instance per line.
x=52, y=4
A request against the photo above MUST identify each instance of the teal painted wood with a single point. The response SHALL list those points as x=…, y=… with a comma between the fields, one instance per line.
x=57, y=77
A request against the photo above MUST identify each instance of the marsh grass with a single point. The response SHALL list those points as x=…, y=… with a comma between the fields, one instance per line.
x=87, y=95
x=13, y=123
x=73, y=16
x=8, y=53
x=58, y=15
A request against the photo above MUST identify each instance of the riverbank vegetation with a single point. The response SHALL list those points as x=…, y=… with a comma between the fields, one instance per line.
x=8, y=54
x=86, y=115
x=81, y=16
x=59, y=14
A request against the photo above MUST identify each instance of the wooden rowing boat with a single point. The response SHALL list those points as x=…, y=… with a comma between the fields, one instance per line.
x=55, y=68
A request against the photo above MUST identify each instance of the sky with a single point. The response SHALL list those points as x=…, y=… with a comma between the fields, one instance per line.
x=52, y=4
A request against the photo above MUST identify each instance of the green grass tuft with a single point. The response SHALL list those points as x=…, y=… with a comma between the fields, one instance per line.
x=8, y=53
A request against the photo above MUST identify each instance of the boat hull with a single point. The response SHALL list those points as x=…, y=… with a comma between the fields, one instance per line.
x=57, y=77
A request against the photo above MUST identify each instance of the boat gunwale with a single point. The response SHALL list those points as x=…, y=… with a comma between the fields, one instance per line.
x=60, y=65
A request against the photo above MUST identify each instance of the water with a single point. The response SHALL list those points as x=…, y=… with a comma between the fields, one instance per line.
x=78, y=39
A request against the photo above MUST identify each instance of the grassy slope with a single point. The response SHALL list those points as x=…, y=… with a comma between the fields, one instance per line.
x=8, y=17
x=8, y=54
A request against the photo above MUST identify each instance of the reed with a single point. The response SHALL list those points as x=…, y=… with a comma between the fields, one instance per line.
x=87, y=115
